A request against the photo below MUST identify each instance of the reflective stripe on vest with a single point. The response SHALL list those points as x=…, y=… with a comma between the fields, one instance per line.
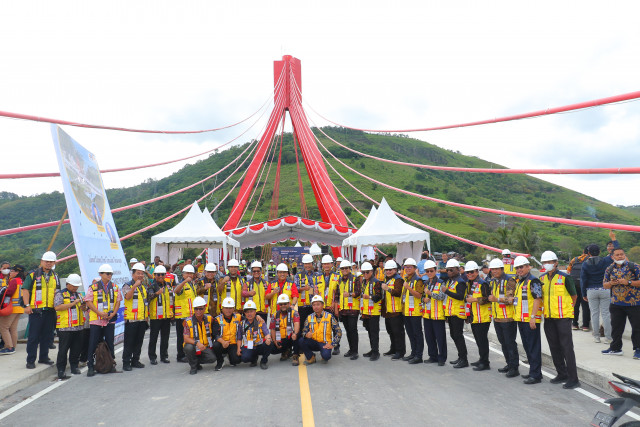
x=320, y=329
x=252, y=332
x=103, y=301
x=202, y=332
x=558, y=304
x=524, y=302
x=434, y=309
x=348, y=303
x=284, y=324
x=393, y=304
x=43, y=290
x=481, y=312
x=286, y=288
x=259, y=297
x=184, y=302
x=136, y=307
x=411, y=304
x=71, y=316
x=228, y=330
x=454, y=307
x=367, y=306
x=232, y=289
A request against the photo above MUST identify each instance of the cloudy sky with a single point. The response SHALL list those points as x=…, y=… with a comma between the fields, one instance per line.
x=373, y=64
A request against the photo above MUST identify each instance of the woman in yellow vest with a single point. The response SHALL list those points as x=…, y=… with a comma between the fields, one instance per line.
x=321, y=332
x=371, y=307
x=225, y=330
x=412, y=311
x=9, y=323
x=480, y=310
x=69, y=308
x=433, y=316
x=559, y=295
x=160, y=314
x=185, y=293
x=135, y=318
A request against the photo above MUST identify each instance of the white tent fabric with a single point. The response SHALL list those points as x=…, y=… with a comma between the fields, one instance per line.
x=383, y=227
x=196, y=230
x=315, y=249
x=297, y=245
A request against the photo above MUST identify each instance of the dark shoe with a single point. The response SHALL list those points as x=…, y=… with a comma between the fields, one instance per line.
x=454, y=362
x=182, y=359
x=219, y=365
x=571, y=384
x=46, y=362
x=461, y=364
x=153, y=361
x=407, y=358
x=530, y=380
x=31, y=365
x=52, y=347
x=199, y=367
x=137, y=364
x=62, y=376
x=348, y=353
x=440, y=363
x=476, y=363
x=126, y=367
x=575, y=327
x=415, y=361
x=367, y=354
x=396, y=356
x=503, y=370
x=558, y=379
x=354, y=356
x=91, y=372
x=374, y=356
x=336, y=351
x=193, y=371
x=253, y=363
x=263, y=365
x=512, y=373
x=75, y=371
x=430, y=361
x=295, y=360
x=525, y=376
x=166, y=360
x=389, y=353
x=482, y=367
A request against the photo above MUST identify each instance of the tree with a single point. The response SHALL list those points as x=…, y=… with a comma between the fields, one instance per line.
x=634, y=254
x=526, y=239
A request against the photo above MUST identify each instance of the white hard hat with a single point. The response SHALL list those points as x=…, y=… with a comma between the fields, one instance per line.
x=345, y=263
x=471, y=265
x=283, y=299
x=520, y=260
x=233, y=263
x=228, y=303
x=496, y=263
x=49, y=256
x=244, y=262
x=317, y=298
x=74, y=280
x=199, y=257
x=188, y=269
x=199, y=302
x=105, y=268
x=366, y=267
x=307, y=259
x=160, y=270
x=339, y=259
x=548, y=256
x=282, y=267
x=410, y=261
x=210, y=267
x=256, y=264
x=429, y=264
x=452, y=263
x=506, y=252
x=327, y=259
x=133, y=260
x=138, y=266
x=390, y=265
x=250, y=305
x=271, y=260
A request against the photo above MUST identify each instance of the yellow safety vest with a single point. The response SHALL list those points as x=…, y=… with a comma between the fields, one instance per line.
x=411, y=304
x=211, y=295
x=481, y=312
x=232, y=289
x=454, y=307
x=320, y=328
x=393, y=304
x=43, y=290
x=200, y=333
x=367, y=306
x=285, y=323
x=161, y=307
x=500, y=310
x=103, y=301
x=327, y=290
x=136, y=308
x=71, y=316
x=380, y=274
x=250, y=333
x=16, y=298
x=348, y=303
x=524, y=302
x=228, y=330
x=434, y=309
x=259, y=297
x=558, y=304
x=184, y=302
x=287, y=289
x=304, y=297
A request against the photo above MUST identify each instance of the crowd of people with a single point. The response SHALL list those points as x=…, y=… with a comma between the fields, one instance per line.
x=246, y=312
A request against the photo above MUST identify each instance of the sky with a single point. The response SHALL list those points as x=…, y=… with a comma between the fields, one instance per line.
x=370, y=64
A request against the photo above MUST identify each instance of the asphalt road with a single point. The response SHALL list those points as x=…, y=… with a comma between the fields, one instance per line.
x=342, y=393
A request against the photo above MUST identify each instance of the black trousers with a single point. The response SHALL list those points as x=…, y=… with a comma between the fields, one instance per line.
x=41, y=326
x=395, y=329
x=251, y=355
x=286, y=344
x=436, y=336
x=205, y=356
x=413, y=326
x=180, y=338
x=162, y=327
x=133, y=338
x=586, y=312
x=481, y=334
x=372, y=325
x=619, y=315
x=456, y=328
x=507, y=332
x=560, y=339
x=351, y=328
x=84, y=350
x=231, y=350
x=532, y=347
x=68, y=342
x=97, y=334
x=302, y=319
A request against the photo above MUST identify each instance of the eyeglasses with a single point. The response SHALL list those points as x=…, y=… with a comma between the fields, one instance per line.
x=159, y=274
x=430, y=270
x=108, y=274
x=451, y=269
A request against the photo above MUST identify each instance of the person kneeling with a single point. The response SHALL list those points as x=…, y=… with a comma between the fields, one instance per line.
x=197, y=337
x=253, y=337
x=321, y=332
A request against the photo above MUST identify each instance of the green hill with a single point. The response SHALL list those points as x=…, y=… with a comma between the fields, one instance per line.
x=510, y=192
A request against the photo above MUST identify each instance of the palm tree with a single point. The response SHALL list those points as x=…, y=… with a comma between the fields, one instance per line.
x=526, y=239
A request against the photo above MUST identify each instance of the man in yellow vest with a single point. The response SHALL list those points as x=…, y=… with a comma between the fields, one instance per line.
x=69, y=308
x=282, y=285
x=206, y=287
x=253, y=338
x=527, y=313
x=412, y=311
x=38, y=292
x=347, y=303
x=271, y=271
x=321, y=332
x=225, y=331
x=160, y=314
x=326, y=283
x=433, y=314
x=305, y=281
x=503, y=289
x=231, y=285
x=392, y=310
x=199, y=266
x=508, y=261
x=255, y=289
x=480, y=313
x=136, y=313
x=103, y=299
x=560, y=296
x=185, y=293
x=456, y=291
x=197, y=336
x=285, y=330
x=371, y=307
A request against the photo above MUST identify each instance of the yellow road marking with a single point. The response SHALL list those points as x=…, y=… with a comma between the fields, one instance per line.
x=305, y=395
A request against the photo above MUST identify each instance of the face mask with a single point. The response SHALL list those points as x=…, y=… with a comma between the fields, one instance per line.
x=6, y=271
x=619, y=261
x=549, y=267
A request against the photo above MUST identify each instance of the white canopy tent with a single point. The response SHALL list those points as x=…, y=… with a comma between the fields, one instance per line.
x=196, y=230
x=383, y=227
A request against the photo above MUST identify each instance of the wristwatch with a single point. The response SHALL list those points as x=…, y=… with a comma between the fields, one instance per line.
x=629, y=282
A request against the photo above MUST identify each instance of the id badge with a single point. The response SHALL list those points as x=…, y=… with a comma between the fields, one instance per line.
x=74, y=315
x=215, y=297
x=289, y=330
x=134, y=304
x=250, y=345
x=428, y=306
x=278, y=336
x=160, y=311
x=38, y=296
x=515, y=301
x=100, y=306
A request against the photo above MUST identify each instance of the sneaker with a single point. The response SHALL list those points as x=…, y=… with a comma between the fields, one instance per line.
x=636, y=353
x=575, y=327
x=596, y=338
x=585, y=329
x=609, y=352
x=6, y=351
x=607, y=341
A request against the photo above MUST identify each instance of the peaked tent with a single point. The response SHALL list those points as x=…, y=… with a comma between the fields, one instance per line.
x=194, y=231
x=383, y=227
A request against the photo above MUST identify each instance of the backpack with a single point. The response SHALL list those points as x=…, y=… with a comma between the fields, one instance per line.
x=104, y=362
x=6, y=307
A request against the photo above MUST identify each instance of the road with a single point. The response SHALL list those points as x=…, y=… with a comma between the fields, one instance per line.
x=342, y=393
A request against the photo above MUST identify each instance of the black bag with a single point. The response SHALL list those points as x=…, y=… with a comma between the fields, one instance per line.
x=104, y=361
